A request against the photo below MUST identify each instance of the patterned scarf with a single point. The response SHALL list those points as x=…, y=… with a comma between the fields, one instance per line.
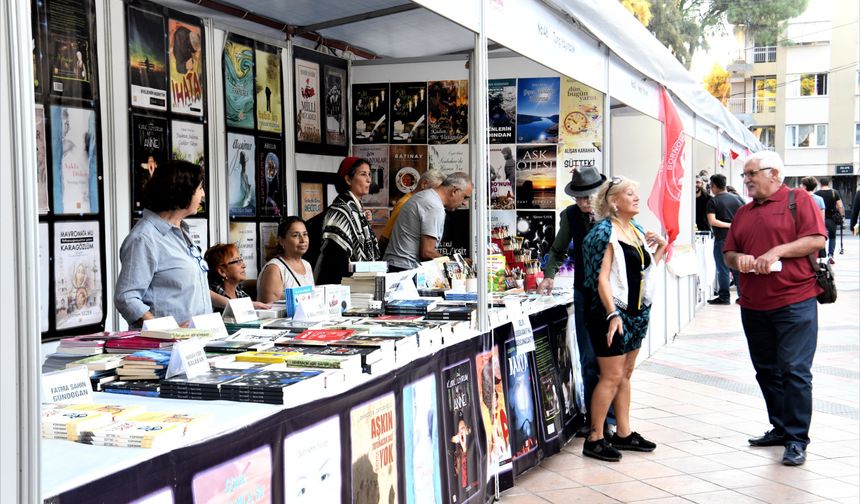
x=345, y=224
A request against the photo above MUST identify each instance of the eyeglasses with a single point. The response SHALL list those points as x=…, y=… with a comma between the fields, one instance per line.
x=613, y=181
x=194, y=251
x=236, y=261
x=751, y=173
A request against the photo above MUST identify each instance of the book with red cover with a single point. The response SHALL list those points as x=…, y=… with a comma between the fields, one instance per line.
x=325, y=334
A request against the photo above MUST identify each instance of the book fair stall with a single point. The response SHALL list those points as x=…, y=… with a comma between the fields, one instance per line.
x=441, y=383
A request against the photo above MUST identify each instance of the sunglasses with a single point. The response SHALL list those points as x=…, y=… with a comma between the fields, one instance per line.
x=613, y=181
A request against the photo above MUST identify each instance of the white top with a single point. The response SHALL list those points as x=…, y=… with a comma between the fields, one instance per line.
x=286, y=277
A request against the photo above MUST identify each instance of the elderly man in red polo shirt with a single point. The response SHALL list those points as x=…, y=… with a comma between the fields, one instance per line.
x=778, y=308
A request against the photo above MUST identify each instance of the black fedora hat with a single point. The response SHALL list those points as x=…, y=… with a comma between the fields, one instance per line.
x=584, y=182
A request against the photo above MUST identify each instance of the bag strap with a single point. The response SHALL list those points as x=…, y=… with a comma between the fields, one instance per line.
x=792, y=206
x=291, y=271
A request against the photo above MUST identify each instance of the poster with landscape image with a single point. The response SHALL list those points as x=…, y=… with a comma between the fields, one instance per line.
x=536, y=176
x=147, y=66
x=268, y=91
x=537, y=110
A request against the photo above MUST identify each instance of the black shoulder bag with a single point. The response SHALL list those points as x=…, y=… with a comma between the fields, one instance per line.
x=823, y=272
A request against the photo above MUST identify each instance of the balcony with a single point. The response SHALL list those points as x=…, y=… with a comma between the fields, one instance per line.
x=746, y=105
x=745, y=59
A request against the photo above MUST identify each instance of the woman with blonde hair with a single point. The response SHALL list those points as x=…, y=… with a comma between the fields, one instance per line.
x=619, y=280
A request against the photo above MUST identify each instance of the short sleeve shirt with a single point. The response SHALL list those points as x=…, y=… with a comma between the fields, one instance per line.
x=724, y=206
x=423, y=215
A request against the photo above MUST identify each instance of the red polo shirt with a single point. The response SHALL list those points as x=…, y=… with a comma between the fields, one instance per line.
x=757, y=228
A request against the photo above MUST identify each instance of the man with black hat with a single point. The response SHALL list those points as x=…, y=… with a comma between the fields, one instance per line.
x=576, y=221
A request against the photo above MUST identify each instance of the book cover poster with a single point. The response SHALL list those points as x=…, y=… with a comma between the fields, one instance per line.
x=148, y=152
x=460, y=431
x=310, y=199
x=241, y=193
x=370, y=113
x=521, y=401
x=504, y=219
x=244, y=235
x=421, y=443
x=538, y=232
x=308, y=128
x=147, y=67
x=448, y=112
x=378, y=157
x=187, y=144
x=581, y=114
x=373, y=434
x=239, y=84
x=268, y=241
x=42, y=160
x=564, y=338
x=335, y=105
x=572, y=158
x=270, y=194
x=536, y=176
x=185, y=42
x=77, y=274
x=549, y=391
x=449, y=159
x=537, y=110
x=71, y=50
x=503, y=167
x=268, y=88
x=502, y=109
x=312, y=464
x=494, y=413
x=75, y=160
x=378, y=218
x=199, y=232
x=406, y=164
x=246, y=478
x=44, y=281
x=408, y=122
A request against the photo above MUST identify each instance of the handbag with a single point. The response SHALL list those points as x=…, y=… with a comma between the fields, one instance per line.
x=823, y=272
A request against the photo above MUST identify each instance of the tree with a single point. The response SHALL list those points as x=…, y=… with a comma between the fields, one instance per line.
x=762, y=20
x=641, y=10
x=717, y=83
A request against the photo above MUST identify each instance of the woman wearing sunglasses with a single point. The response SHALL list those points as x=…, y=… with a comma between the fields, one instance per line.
x=226, y=274
x=619, y=280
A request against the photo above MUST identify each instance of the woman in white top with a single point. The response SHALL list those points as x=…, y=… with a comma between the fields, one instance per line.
x=287, y=269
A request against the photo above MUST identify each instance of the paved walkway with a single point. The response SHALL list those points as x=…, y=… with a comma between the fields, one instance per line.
x=698, y=399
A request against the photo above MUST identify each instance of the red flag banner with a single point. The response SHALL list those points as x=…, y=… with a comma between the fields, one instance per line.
x=665, y=198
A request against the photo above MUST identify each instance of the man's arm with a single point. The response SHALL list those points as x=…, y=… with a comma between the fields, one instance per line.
x=717, y=223
x=427, y=249
x=800, y=247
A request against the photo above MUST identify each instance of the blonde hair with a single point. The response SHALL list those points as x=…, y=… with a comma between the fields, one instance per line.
x=602, y=203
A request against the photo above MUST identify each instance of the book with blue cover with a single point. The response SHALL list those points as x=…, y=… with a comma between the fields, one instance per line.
x=292, y=296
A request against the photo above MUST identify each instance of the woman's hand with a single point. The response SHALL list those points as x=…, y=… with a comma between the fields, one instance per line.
x=654, y=240
x=261, y=306
x=615, y=326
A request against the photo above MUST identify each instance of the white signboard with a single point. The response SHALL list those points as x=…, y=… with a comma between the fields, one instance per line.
x=632, y=88
x=68, y=386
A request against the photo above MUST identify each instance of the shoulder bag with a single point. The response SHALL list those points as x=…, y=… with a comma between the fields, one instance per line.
x=823, y=272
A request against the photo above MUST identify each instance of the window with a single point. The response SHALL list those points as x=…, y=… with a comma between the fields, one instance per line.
x=765, y=134
x=806, y=135
x=764, y=94
x=807, y=84
x=764, y=54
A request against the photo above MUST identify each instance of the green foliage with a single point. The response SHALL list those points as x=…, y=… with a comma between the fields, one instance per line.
x=762, y=19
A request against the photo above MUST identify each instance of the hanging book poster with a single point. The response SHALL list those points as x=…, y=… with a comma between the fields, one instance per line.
x=270, y=195
x=308, y=102
x=520, y=401
x=374, y=451
x=268, y=87
x=187, y=145
x=502, y=108
x=449, y=112
x=504, y=219
x=548, y=385
x=147, y=67
x=77, y=274
x=268, y=241
x=335, y=106
x=572, y=158
x=71, y=51
x=537, y=110
x=581, y=115
x=310, y=199
x=42, y=160
x=246, y=478
x=494, y=413
x=459, y=420
x=406, y=164
x=198, y=231
x=421, y=443
x=378, y=157
x=148, y=152
x=312, y=471
x=75, y=160
x=564, y=338
x=239, y=84
x=408, y=122
x=370, y=113
x=378, y=218
x=536, y=176
x=503, y=167
x=449, y=159
x=240, y=175
x=186, y=68
x=44, y=281
x=538, y=232
x=244, y=235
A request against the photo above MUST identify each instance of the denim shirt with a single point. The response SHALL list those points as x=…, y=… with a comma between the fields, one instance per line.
x=162, y=272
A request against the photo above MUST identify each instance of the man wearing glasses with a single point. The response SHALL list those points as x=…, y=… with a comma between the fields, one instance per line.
x=778, y=307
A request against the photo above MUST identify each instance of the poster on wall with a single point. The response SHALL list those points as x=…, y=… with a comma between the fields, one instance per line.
x=308, y=102
x=374, y=451
x=370, y=113
x=42, y=160
x=536, y=176
x=448, y=111
x=75, y=160
x=312, y=471
x=185, y=42
x=537, y=110
x=310, y=199
x=241, y=191
x=239, y=84
x=246, y=478
x=71, y=50
x=408, y=124
x=502, y=109
x=520, y=401
x=549, y=388
x=268, y=242
x=198, y=231
x=187, y=144
x=581, y=128
x=269, y=195
x=244, y=235
x=148, y=152
x=538, y=231
x=77, y=274
x=378, y=157
x=506, y=219
x=406, y=164
x=147, y=67
x=449, y=159
x=421, y=443
x=503, y=165
x=44, y=281
x=335, y=106
x=460, y=431
x=564, y=339
x=268, y=89
x=494, y=412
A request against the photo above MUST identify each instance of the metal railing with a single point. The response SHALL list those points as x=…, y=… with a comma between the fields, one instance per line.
x=761, y=54
x=751, y=105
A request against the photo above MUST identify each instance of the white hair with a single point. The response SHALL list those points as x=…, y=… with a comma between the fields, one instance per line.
x=434, y=178
x=459, y=180
x=767, y=159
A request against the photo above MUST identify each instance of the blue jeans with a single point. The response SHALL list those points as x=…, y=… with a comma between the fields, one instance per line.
x=723, y=271
x=782, y=345
x=832, y=229
x=587, y=359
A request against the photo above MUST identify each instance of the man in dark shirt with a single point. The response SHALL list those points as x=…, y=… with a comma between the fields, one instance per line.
x=855, y=212
x=702, y=199
x=721, y=211
x=834, y=213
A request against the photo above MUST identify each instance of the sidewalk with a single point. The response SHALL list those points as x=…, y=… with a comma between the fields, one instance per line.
x=698, y=399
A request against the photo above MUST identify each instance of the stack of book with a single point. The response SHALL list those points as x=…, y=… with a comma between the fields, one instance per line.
x=418, y=306
x=146, y=388
x=117, y=412
x=290, y=325
x=451, y=310
x=306, y=357
x=133, y=343
x=365, y=287
x=193, y=426
x=135, y=434
x=144, y=365
x=290, y=387
x=294, y=295
x=207, y=386
x=58, y=361
x=59, y=422
x=102, y=368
